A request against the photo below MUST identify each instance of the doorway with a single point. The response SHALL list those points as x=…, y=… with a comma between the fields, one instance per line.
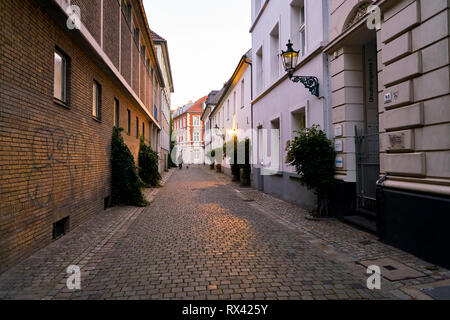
x=367, y=136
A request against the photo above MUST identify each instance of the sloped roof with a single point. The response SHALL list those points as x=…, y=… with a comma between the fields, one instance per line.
x=196, y=107
x=156, y=37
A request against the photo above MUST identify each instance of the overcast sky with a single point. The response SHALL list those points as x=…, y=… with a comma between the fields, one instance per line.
x=206, y=39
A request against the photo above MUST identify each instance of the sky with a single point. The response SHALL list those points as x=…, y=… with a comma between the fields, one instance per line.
x=206, y=39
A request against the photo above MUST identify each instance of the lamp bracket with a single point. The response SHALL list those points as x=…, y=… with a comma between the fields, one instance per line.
x=311, y=83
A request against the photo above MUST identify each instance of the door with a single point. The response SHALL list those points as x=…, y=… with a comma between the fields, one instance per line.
x=367, y=135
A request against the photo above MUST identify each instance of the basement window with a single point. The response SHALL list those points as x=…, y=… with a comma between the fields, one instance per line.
x=60, y=228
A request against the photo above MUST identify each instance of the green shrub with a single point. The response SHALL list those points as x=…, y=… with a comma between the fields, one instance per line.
x=235, y=167
x=125, y=182
x=148, y=165
x=247, y=168
x=313, y=156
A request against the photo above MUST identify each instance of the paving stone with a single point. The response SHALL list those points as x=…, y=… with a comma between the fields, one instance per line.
x=199, y=240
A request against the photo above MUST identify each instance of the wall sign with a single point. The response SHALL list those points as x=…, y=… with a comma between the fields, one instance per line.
x=339, y=162
x=338, y=146
x=338, y=130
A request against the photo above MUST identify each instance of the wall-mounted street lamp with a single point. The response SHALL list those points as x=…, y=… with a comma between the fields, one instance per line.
x=219, y=132
x=290, y=58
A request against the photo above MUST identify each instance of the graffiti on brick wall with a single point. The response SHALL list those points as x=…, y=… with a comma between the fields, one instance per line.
x=60, y=169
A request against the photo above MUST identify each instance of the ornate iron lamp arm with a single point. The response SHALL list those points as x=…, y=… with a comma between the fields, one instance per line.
x=311, y=83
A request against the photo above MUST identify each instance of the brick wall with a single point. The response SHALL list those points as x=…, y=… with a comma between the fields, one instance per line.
x=111, y=16
x=90, y=16
x=54, y=161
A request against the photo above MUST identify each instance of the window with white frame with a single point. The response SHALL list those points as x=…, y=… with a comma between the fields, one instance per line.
x=260, y=70
x=234, y=102
x=298, y=121
x=275, y=143
x=197, y=154
x=298, y=25
x=275, y=53
x=196, y=121
x=242, y=93
x=196, y=136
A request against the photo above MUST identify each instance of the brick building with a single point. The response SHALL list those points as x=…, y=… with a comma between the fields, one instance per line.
x=62, y=90
x=188, y=132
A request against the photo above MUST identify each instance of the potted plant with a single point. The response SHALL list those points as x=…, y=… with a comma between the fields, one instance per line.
x=211, y=157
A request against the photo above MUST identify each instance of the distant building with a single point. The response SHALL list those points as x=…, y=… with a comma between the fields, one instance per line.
x=188, y=132
x=162, y=52
x=231, y=110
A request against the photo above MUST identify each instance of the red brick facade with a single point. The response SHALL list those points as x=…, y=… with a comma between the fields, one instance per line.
x=54, y=159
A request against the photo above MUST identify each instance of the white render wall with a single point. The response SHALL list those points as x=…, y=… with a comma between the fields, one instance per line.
x=413, y=62
x=243, y=112
x=277, y=98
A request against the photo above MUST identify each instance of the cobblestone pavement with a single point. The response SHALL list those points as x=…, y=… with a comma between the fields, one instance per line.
x=204, y=237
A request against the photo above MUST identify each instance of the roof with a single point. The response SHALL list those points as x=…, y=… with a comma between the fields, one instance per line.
x=196, y=107
x=229, y=83
x=156, y=37
x=211, y=96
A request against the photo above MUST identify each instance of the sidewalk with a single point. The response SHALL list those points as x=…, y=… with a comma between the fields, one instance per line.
x=83, y=246
x=345, y=243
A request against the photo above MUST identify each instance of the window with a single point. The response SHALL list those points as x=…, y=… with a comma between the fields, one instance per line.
x=129, y=122
x=60, y=77
x=196, y=121
x=143, y=53
x=275, y=53
x=136, y=36
x=137, y=127
x=60, y=228
x=96, y=99
x=126, y=9
x=116, y=113
x=234, y=102
x=242, y=93
x=196, y=136
x=228, y=109
x=143, y=129
x=155, y=112
x=298, y=25
x=298, y=120
x=260, y=70
x=275, y=143
x=197, y=154
x=302, y=31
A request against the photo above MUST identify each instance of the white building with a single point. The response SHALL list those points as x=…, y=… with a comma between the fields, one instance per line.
x=162, y=52
x=231, y=110
x=280, y=106
x=188, y=132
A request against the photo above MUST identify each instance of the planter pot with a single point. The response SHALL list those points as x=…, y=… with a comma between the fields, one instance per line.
x=211, y=166
x=245, y=180
x=219, y=168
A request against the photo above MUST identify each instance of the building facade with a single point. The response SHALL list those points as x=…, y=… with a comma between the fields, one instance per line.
x=280, y=106
x=231, y=112
x=391, y=119
x=162, y=51
x=61, y=93
x=188, y=132
x=210, y=103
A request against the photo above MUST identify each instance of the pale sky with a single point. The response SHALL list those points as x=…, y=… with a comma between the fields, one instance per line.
x=206, y=40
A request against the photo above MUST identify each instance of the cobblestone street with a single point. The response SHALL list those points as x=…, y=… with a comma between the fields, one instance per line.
x=204, y=237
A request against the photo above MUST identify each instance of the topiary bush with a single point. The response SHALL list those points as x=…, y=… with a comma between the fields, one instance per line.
x=246, y=168
x=148, y=165
x=125, y=182
x=235, y=166
x=313, y=156
x=212, y=155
